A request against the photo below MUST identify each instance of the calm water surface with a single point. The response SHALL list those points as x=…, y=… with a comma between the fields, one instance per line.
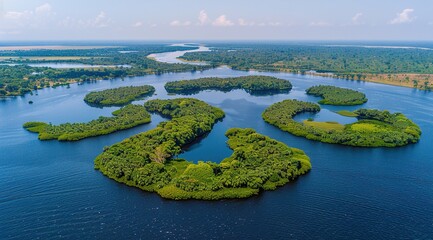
x=49, y=189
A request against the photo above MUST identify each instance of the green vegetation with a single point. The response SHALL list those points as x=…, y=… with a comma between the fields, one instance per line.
x=337, y=96
x=348, y=61
x=354, y=63
x=124, y=118
x=146, y=159
x=374, y=128
x=118, y=96
x=252, y=84
x=347, y=113
x=328, y=126
x=21, y=79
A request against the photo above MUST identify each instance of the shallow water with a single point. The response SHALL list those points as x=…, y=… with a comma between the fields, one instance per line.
x=50, y=190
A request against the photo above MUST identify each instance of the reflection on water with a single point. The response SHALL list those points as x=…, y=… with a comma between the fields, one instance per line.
x=324, y=115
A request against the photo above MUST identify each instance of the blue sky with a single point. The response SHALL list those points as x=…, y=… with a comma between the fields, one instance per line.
x=216, y=20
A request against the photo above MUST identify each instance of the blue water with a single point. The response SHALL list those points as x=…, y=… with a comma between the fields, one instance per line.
x=49, y=189
x=172, y=57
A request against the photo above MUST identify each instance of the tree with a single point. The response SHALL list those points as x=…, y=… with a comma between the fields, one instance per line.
x=160, y=156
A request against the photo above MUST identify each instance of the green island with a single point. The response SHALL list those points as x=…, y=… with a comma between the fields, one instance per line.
x=337, y=96
x=374, y=128
x=255, y=85
x=124, y=118
x=147, y=160
x=118, y=96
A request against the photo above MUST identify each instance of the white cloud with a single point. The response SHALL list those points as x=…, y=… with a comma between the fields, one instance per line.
x=202, y=17
x=222, y=21
x=38, y=17
x=403, y=17
x=12, y=15
x=320, y=24
x=242, y=22
x=356, y=19
x=100, y=20
x=137, y=24
x=43, y=9
x=177, y=23
x=274, y=24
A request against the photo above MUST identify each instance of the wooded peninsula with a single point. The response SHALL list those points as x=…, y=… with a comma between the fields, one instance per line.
x=124, y=118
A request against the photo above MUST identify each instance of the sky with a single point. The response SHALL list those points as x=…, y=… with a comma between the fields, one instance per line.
x=35, y=20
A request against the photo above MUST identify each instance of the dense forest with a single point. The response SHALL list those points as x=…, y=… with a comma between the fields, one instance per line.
x=118, y=96
x=124, y=118
x=256, y=85
x=20, y=79
x=301, y=58
x=147, y=160
x=357, y=63
x=374, y=128
x=337, y=96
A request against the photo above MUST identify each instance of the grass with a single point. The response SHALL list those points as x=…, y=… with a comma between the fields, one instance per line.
x=328, y=126
x=366, y=127
x=347, y=113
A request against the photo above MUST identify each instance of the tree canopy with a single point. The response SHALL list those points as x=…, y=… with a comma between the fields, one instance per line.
x=124, y=118
x=118, y=96
x=374, y=128
x=255, y=85
x=337, y=96
x=147, y=160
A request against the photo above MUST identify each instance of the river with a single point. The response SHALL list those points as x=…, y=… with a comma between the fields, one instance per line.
x=49, y=189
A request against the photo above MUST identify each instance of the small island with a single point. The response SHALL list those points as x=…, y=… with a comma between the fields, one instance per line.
x=255, y=85
x=147, y=160
x=337, y=96
x=374, y=128
x=118, y=96
x=124, y=118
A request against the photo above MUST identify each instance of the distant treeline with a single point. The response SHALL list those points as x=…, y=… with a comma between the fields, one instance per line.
x=20, y=79
x=302, y=58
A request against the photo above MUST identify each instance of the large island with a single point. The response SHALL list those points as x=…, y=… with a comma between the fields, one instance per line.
x=147, y=160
